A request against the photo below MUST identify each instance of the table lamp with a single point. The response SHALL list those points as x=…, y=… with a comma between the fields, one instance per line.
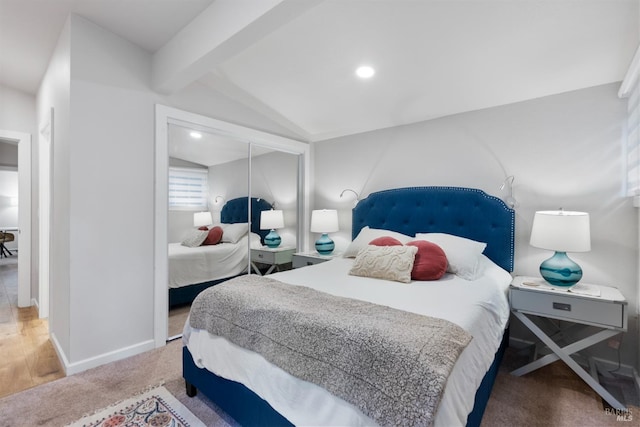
x=324, y=221
x=202, y=219
x=562, y=232
x=271, y=220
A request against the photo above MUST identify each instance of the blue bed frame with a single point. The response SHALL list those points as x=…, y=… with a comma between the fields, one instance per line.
x=465, y=212
x=234, y=211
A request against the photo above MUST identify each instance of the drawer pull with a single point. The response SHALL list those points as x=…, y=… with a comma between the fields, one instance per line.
x=561, y=306
x=260, y=256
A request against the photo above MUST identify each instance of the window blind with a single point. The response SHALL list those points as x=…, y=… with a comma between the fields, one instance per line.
x=188, y=189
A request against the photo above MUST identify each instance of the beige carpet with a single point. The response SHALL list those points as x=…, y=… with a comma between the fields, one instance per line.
x=177, y=318
x=65, y=400
x=551, y=396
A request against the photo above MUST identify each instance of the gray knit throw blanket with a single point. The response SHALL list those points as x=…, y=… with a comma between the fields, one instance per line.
x=391, y=364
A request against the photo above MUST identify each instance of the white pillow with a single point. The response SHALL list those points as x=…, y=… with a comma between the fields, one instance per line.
x=195, y=238
x=385, y=262
x=232, y=233
x=462, y=254
x=367, y=234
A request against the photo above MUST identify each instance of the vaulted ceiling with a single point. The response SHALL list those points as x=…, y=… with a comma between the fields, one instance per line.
x=294, y=61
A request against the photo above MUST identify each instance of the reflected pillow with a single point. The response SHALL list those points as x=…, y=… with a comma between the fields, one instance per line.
x=462, y=254
x=214, y=236
x=385, y=262
x=366, y=235
x=430, y=263
x=232, y=233
x=195, y=238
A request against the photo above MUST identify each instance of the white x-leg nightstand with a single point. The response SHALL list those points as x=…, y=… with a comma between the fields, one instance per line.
x=274, y=257
x=600, y=306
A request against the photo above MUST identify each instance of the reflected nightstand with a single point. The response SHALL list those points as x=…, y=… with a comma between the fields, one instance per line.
x=274, y=257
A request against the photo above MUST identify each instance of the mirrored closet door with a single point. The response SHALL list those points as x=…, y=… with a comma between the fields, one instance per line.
x=274, y=179
x=208, y=188
x=243, y=168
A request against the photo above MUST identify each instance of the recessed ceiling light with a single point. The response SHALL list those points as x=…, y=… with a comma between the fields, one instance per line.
x=196, y=135
x=365, y=71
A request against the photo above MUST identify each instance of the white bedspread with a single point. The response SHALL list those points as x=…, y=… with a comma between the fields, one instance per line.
x=479, y=306
x=188, y=266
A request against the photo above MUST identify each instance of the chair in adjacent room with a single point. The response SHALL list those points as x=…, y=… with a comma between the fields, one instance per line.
x=4, y=238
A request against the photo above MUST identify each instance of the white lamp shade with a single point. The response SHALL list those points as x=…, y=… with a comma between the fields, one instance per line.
x=561, y=231
x=271, y=220
x=324, y=221
x=202, y=218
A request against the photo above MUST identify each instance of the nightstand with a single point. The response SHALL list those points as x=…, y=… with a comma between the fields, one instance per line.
x=274, y=257
x=583, y=305
x=303, y=259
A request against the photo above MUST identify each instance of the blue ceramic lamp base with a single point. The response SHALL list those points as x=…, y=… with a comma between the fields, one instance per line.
x=560, y=270
x=272, y=240
x=324, y=245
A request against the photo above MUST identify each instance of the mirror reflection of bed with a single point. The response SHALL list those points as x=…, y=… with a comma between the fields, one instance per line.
x=225, y=163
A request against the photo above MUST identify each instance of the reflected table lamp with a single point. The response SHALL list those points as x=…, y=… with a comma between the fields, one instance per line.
x=324, y=221
x=271, y=220
x=202, y=219
x=562, y=232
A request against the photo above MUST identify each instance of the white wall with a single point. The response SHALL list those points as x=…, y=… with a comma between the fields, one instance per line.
x=17, y=110
x=55, y=92
x=274, y=178
x=229, y=180
x=564, y=151
x=99, y=85
x=8, y=155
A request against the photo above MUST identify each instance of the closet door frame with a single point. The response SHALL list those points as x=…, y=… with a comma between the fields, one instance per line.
x=166, y=115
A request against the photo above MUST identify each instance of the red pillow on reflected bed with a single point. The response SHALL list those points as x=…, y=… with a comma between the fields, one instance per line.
x=385, y=241
x=214, y=236
x=430, y=262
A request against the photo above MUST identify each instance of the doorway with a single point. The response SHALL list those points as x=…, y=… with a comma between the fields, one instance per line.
x=23, y=229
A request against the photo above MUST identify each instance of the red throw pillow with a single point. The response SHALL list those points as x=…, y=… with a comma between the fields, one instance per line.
x=385, y=241
x=430, y=262
x=203, y=228
x=214, y=236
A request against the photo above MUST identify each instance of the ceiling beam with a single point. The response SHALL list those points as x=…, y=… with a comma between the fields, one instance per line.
x=226, y=87
x=221, y=31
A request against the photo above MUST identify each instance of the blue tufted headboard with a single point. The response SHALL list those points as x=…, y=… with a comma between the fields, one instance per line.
x=236, y=210
x=464, y=212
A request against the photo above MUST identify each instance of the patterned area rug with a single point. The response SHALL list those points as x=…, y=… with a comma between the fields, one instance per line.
x=155, y=408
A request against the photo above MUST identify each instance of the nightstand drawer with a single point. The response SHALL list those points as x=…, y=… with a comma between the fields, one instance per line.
x=263, y=256
x=303, y=261
x=273, y=257
x=582, y=310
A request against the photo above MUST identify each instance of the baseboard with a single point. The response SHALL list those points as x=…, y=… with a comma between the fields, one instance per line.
x=34, y=302
x=102, y=359
x=624, y=370
x=519, y=343
x=58, y=348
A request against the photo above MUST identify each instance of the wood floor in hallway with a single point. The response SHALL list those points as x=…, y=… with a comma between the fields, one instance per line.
x=27, y=357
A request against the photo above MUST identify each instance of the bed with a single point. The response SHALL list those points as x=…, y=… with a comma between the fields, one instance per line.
x=191, y=270
x=248, y=387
